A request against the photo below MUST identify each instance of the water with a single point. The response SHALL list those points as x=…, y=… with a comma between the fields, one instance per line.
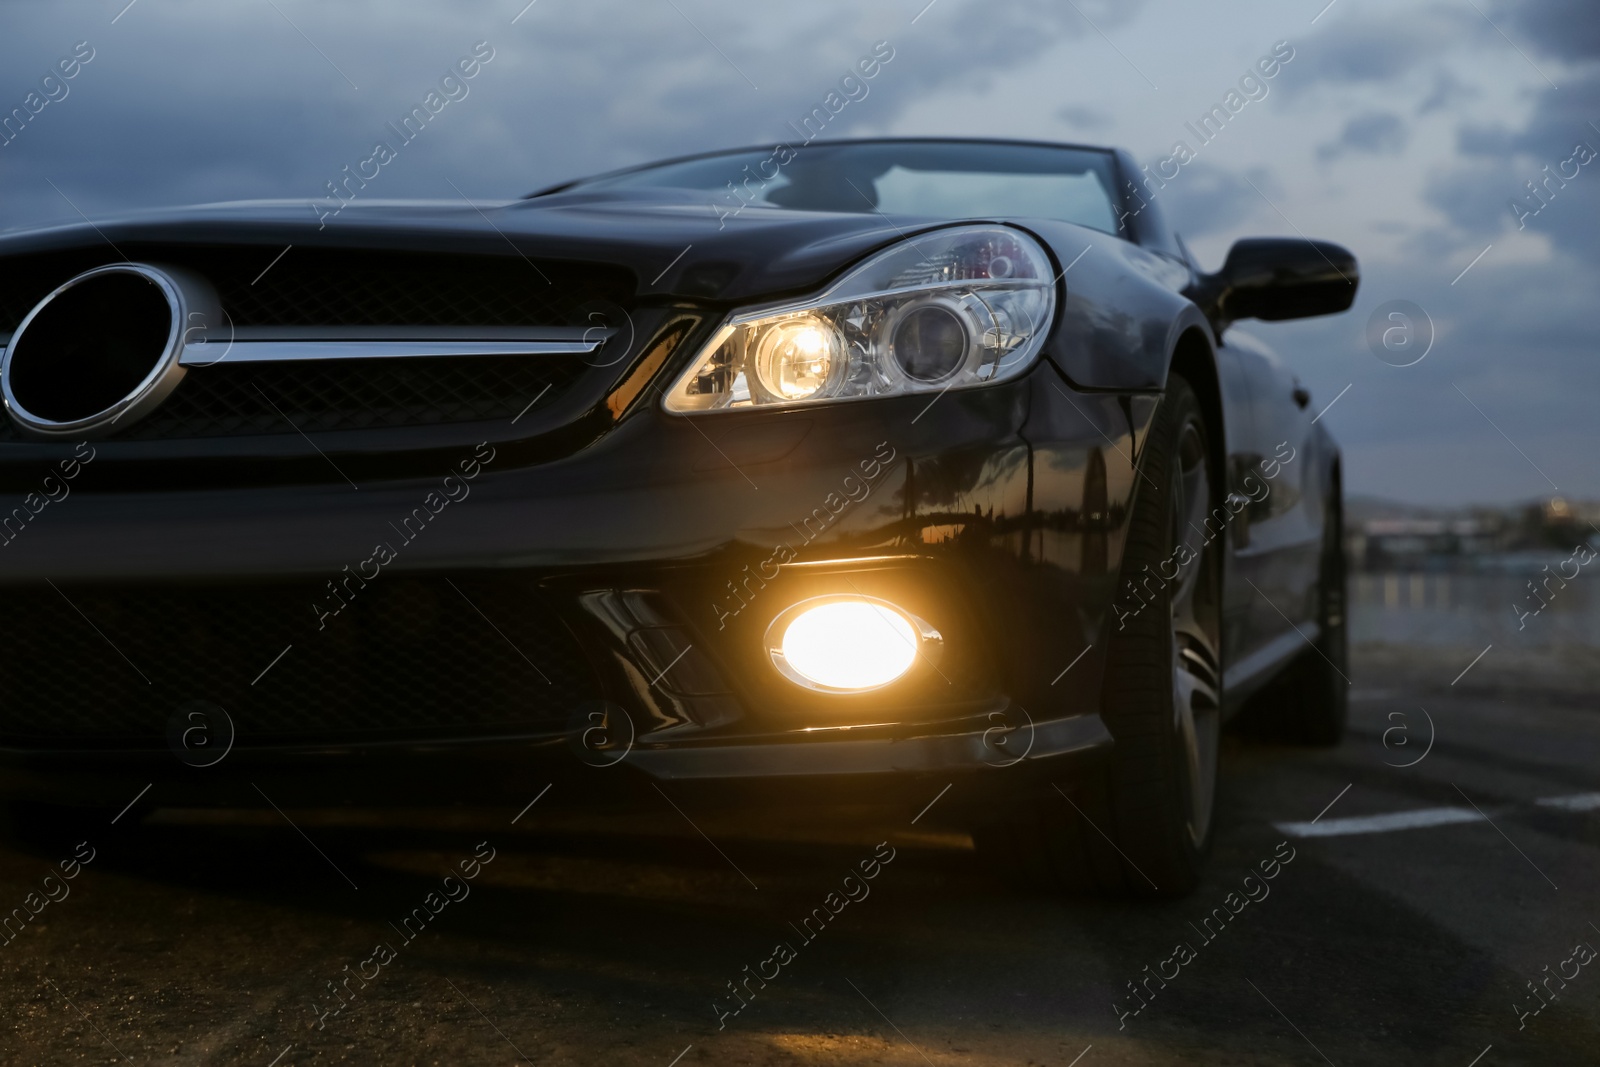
x=1474, y=609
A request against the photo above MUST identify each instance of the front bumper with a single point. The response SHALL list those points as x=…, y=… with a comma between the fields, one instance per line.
x=656, y=556
x=983, y=770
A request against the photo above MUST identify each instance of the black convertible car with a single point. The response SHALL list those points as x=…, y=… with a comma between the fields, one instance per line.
x=928, y=473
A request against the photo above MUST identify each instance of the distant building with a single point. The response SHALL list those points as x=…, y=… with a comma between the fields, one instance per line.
x=1561, y=523
x=1464, y=542
x=1422, y=544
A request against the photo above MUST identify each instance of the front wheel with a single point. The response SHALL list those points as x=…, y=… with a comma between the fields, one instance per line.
x=1144, y=825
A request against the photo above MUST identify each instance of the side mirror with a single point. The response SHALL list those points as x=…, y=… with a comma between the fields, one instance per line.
x=1276, y=278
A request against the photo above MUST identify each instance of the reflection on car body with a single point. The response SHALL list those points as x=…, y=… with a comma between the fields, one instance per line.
x=844, y=479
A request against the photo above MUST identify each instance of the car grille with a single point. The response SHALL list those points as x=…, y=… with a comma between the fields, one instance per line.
x=321, y=396
x=312, y=397
x=347, y=289
x=406, y=658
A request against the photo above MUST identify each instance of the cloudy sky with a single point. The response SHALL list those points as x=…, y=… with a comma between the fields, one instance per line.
x=1401, y=129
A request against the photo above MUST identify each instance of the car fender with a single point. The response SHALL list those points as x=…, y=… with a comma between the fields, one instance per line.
x=1122, y=311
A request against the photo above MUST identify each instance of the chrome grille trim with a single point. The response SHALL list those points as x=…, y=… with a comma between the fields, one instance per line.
x=286, y=344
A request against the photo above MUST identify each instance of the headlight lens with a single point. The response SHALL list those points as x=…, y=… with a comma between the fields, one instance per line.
x=929, y=341
x=956, y=307
x=798, y=358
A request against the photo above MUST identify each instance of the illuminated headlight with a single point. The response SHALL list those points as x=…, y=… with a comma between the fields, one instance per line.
x=848, y=644
x=798, y=358
x=957, y=307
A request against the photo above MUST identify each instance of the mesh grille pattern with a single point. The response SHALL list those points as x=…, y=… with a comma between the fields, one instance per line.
x=356, y=394
x=406, y=657
x=238, y=399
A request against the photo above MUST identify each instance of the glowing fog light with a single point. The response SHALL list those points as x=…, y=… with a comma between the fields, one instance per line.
x=847, y=644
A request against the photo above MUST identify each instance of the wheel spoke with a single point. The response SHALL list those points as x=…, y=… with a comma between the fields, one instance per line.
x=1198, y=675
x=1197, y=494
x=1196, y=657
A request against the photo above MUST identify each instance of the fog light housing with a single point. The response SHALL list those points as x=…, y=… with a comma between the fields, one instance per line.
x=848, y=644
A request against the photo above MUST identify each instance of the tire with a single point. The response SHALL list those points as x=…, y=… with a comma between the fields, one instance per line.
x=1143, y=824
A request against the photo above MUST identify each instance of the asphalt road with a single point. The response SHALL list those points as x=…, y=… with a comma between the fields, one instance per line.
x=189, y=940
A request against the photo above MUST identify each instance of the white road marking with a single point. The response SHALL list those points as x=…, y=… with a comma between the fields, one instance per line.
x=1379, y=824
x=1580, y=802
x=1423, y=817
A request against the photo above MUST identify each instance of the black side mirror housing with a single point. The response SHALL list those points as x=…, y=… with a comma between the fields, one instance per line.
x=1276, y=278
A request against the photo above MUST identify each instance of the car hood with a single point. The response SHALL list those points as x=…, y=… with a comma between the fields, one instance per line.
x=675, y=242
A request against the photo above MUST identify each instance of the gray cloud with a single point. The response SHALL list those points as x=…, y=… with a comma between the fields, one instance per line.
x=1376, y=133
x=1207, y=199
x=186, y=101
x=1506, y=336
x=1084, y=118
x=1565, y=29
x=1497, y=163
x=1369, y=51
x=1448, y=90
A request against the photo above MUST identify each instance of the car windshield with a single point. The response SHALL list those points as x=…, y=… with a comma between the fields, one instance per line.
x=962, y=180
